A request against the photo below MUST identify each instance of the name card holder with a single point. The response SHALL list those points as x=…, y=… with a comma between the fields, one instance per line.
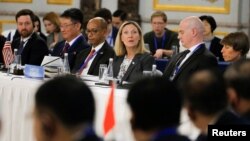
x=33, y=71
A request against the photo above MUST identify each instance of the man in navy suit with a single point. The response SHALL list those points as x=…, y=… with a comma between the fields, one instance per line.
x=71, y=25
x=33, y=48
x=112, y=30
x=191, y=36
x=89, y=64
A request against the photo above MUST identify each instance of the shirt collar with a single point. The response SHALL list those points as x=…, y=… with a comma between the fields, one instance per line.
x=72, y=41
x=98, y=47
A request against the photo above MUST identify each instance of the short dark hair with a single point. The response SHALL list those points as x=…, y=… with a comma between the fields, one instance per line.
x=69, y=98
x=74, y=14
x=105, y=14
x=155, y=104
x=38, y=20
x=24, y=12
x=210, y=20
x=238, y=40
x=120, y=13
x=205, y=91
x=237, y=76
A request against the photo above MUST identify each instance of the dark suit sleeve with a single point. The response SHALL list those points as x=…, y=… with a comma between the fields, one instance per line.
x=39, y=50
x=2, y=41
x=147, y=62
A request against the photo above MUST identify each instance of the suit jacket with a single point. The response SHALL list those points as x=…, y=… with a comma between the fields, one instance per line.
x=230, y=118
x=34, y=50
x=171, y=39
x=90, y=135
x=135, y=70
x=202, y=58
x=102, y=57
x=226, y=118
x=215, y=48
x=114, y=33
x=2, y=41
x=79, y=44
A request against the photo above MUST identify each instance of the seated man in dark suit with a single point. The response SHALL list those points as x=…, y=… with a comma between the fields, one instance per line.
x=207, y=103
x=71, y=22
x=31, y=46
x=161, y=39
x=112, y=30
x=238, y=79
x=87, y=61
x=2, y=41
x=64, y=111
x=155, y=104
x=195, y=57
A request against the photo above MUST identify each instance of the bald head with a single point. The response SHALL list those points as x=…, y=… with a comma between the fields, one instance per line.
x=96, y=31
x=100, y=21
x=191, y=31
x=194, y=22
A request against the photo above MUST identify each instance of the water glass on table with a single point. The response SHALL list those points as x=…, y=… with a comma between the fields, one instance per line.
x=102, y=72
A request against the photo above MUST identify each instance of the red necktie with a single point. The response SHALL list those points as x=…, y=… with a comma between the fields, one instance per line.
x=65, y=49
x=91, y=55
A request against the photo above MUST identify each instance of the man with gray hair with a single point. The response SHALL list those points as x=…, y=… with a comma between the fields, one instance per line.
x=195, y=57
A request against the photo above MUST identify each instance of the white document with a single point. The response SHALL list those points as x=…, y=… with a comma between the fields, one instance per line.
x=54, y=61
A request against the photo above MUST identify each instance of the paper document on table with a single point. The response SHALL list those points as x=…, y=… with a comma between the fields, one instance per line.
x=52, y=61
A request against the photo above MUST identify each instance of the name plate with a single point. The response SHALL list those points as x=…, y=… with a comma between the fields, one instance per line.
x=33, y=71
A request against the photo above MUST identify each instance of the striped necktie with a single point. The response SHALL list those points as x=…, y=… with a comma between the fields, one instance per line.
x=85, y=63
x=65, y=49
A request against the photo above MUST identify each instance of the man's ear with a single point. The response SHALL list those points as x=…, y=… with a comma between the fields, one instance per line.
x=191, y=113
x=233, y=99
x=48, y=125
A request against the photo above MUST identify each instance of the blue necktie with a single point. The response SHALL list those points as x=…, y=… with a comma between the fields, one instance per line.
x=20, y=48
x=178, y=62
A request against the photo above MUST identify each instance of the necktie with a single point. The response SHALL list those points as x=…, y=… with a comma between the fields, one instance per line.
x=65, y=49
x=183, y=55
x=85, y=63
x=178, y=62
x=20, y=48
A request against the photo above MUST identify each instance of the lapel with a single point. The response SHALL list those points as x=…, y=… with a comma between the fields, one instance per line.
x=75, y=44
x=29, y=43
x=131, y=67
x=97, y=58
x=200, y=50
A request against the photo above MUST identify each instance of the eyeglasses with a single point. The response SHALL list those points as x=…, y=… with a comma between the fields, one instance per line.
x=66, y=25
x=93, y=31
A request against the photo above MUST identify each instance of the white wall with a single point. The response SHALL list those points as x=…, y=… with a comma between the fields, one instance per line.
x=239, y=13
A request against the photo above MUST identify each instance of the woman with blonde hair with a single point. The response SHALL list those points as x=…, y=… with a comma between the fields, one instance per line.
x=52, y=26
x=132, y=58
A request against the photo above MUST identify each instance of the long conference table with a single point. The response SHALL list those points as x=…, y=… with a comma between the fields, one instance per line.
x=17, y=102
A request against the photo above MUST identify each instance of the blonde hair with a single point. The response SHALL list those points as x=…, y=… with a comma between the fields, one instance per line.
x=54, y=19
x=120, y=48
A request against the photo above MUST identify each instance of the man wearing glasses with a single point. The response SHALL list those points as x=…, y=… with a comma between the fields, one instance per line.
x=160, y=39
x=71, y=24
x=89, y=60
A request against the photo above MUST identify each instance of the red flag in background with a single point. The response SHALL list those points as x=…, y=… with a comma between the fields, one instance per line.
x=109, y=118
x=8, y=56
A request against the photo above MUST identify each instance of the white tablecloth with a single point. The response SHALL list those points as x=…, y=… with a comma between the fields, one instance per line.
x=17, y=101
